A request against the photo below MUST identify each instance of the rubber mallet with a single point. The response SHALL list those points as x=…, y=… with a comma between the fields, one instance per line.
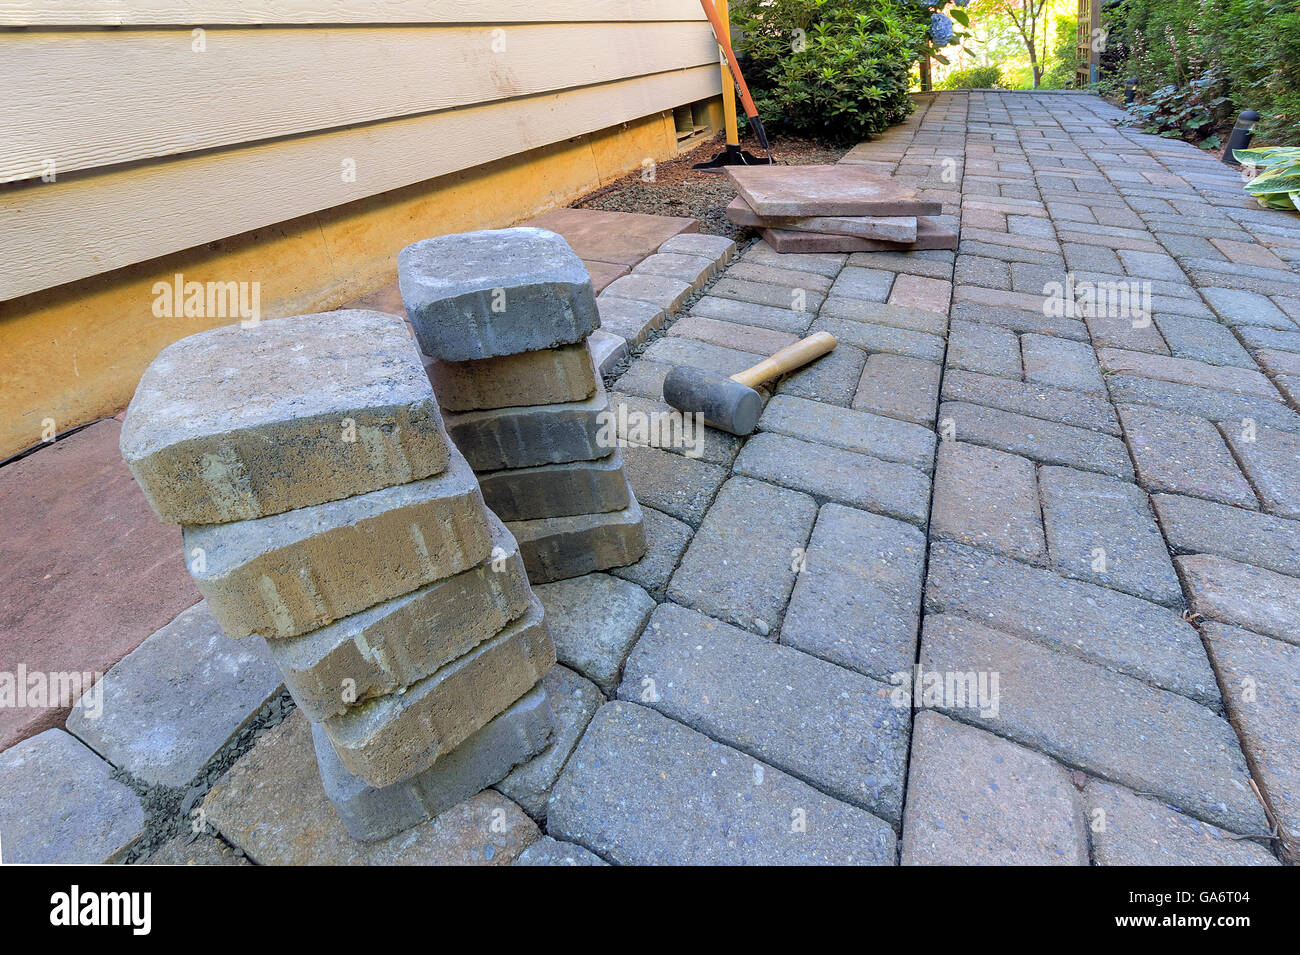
x=732, y=404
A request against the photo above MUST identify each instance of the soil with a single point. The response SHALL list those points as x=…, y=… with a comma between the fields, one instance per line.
x=674, y=188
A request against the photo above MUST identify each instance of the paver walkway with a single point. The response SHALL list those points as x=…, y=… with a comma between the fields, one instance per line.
x=1012, y=576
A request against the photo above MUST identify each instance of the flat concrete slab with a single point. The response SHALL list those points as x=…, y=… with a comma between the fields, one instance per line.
x=839, y=190
x=90, y=572
x=616, y=238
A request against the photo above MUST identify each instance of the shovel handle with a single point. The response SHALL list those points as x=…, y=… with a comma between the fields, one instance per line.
x=787, y=359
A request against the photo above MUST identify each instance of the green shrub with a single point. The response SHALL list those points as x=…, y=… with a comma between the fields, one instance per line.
x=1190, y=112
x=835, y=70
x=1276, y=185
x=974, y=78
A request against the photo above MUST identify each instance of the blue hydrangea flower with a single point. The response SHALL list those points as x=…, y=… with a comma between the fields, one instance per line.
x=940, y=29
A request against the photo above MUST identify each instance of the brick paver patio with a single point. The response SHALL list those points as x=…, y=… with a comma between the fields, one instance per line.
x=997, y=581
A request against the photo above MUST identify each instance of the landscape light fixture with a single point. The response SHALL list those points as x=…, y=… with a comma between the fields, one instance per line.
x=1241, y=135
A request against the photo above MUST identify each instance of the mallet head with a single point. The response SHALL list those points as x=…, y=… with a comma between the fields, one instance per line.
x=725, y=403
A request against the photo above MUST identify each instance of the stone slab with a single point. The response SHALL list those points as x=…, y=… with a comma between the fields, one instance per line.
x=237, y=423
x=1272, y=463
x=549, y=376
x=838, y=190
x=833, y=728
x=495, y=292
x=1239, y=594
x=642, y=789
x=574, y=701
x=1145, y=640
x=930, y=235
x=594, y=621
x=548, y=851
x=62, y=806
x=290, y=573
x=1099, y=721
x=897, y=229
x=272, y=806
x=976, y=799
x=666, y=540
x=176, y=700
x=396, y=643
x=89, y=570
x=370, y=813
x=1046, y=442
x=740, y=565
x=1183, y=454
x=557, y=490
x=877, y=435
x=857, y=596
x=1195, y=526
x=555, y=548
x=526, y=436
x=624, y=238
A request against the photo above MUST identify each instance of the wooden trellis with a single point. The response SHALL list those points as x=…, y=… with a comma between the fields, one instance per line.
x=1089, y=59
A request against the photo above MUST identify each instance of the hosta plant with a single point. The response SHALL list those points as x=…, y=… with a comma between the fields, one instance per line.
x=1276, y=185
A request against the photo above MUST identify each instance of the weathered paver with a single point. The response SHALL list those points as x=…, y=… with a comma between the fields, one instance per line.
x=988, y=499
x=528, y=378
x=1133, y=636
x=673, y=483
x=642, y=789
x=1101, y=529
x=976, y=799
x=650, y=422
x=1128, y=829
x=172, y=703
x=986, y=349
x=557, y=490
x=1099, y=721
x=531, y=435
x=1228, y=409
x=783, y=319
x=877, y=435
x=62, y=806
x=665, y=292
x=1183, y=454
x=1193, y=525
x=741, y=564
x=557, y=548
x=857, y=596
x=548, y=851
x=899, y=387
x=844, y=476
x=1047, y=442
x=829, y=726
x=1264, y=677
x=1236, y=593
x=831, y=378
x=1028, y=398
x=1186, y=372
x=594, y=620
x=1062, y=363
x=666, y=540
x=1271, y=461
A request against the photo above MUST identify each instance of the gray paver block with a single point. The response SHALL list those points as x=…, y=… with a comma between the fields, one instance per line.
x=870, y=284
x=174, y=702
x=606, y=349
x=775, y=274
x=548, y=851
x=899, y=387
x=369, y=813
x=1101, y=529
x=1244, y=381
x=717, y=247
x=829, y=726
x=1203, y=340
x=880, y=313
x=651, y=422
x=1272, y=463
x=886, y=438
x=522, y=437
x=1246, y=596
x=548, y=376
x=1133, y=636
x=988, y=499
x=823, y=263
x=495, y=292
x=857, y=597
x=557, y=490
x=1031, y=399
x=740, y=566
x=289, y=573
x=986, y=349
x=874, y=337
x=666, y=540
x=895, y=490
x=396, y=643
x=272, y=806
x=793, y=298
x=831, y=378
x=1018, y=320
x=662, y=291
x=574, y=701
x=643, y=378
x=679, y=350
x=1238, y=307
x=555, y=548
x=1264, y=680
x=594, y=620
x=753, y=338
x=1128, y=829
x=643, y=789
x=390, y=738
x=1230, y=410
x=216, y=432
x=1193, y=526
x=1063, y=363
x=783, y=319
x=976, y=799
x=673, y=483
x=628, y=318
x=1099, y=721
x=694, y=270
x=1047, y=442
x=62, y=806
x=1183, y=454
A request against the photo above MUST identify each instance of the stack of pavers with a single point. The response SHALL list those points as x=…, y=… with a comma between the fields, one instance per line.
x=324, y=508
x=841, y=208
x=505, y=315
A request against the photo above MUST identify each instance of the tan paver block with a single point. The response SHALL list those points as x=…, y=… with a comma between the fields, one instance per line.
x=548, y=376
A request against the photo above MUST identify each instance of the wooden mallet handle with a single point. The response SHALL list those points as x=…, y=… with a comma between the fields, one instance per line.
x=787, y=359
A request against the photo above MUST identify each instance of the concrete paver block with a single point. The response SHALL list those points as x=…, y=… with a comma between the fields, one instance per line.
x=1183, y=454
x=836, y=190
x=548, y=376
x=557, y=490
x=594, y=620
x=666, y=540
x=988, y=499
x=396, y=643
x=673, y=483
x=628, y=318
x=289, y=573
x=238, y=423
x=556, y=548
x=548, y=851
x=663, y=291
x=1236, y=593
x=495, y=292
x=523, y=437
